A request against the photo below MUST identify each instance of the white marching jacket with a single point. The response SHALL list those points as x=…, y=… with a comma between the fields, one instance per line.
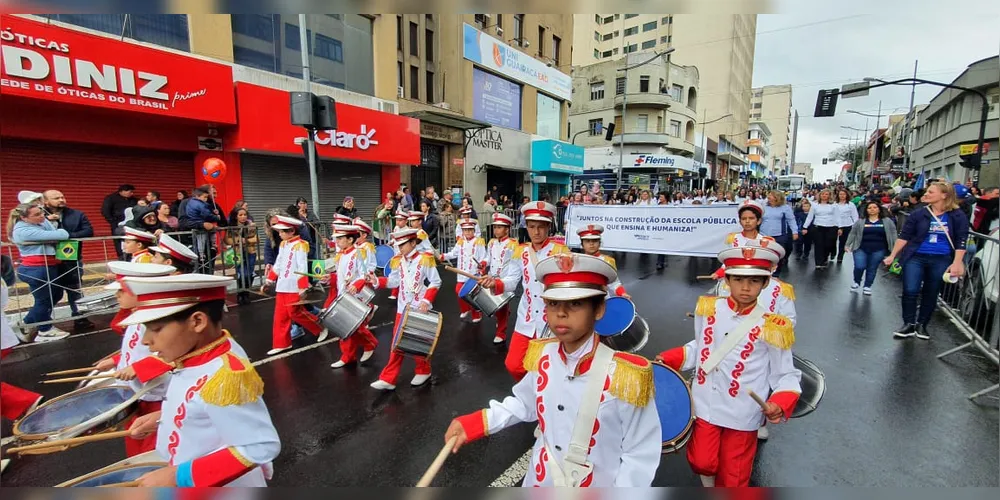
x=134, y=353
x=469, y=255
x=501, y=257
x=409, y=274
x=531, y=309
x=293, y=258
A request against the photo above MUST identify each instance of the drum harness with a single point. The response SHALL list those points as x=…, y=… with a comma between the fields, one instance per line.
x=733, y=339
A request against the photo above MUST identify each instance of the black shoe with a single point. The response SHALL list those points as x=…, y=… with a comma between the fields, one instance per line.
x=906, y=331
x=922, y=332
x=82, y=324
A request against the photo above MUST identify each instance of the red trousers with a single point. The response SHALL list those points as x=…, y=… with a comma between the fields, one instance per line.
x=14, y=401
x=393, y=292
x=391, y=371
x=501, y=316
x=464, y=306
x=724, y=453
x=362, y=338
x=285, y=314
x=515, y=356
x=134, y=447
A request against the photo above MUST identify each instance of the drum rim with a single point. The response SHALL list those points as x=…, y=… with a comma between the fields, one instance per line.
x=635, y=314
x=108, y=470
x=107, y=294
x=822, y=385
x=334, y=304
x=690, y=424
x=82, y=427
x=399, y=335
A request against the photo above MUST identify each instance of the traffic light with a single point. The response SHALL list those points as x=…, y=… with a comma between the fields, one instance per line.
x=609, y=131
x=971, y=162
x=825, y=160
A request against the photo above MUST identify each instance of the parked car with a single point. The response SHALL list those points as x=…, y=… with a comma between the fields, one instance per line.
x=978, y=299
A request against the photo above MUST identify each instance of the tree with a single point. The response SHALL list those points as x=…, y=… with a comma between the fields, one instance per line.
x=853, y=154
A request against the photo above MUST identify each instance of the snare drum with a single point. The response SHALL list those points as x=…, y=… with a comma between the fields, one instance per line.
x=127, y=470
x=418, y=333
x=99, y=381
x=383, y=254
x=482, y=299
x=674, y=406
x=813, y=387
x=97, y=302
x=89, y=410
x=345, y=315
x=367, y=294
x=621, y=328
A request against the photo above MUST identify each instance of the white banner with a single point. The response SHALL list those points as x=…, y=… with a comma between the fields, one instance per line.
x=694, y=231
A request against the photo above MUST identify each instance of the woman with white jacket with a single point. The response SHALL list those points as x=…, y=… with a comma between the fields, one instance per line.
x=825, y=232
x=847, y=215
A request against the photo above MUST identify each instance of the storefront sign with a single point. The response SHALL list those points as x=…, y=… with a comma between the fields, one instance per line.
x=458, y=161
x=500, y=147
x=556, y=156
x=495, y=100
x=439, y=133
x=43, y=61
x=491, y=53
x=362, y=134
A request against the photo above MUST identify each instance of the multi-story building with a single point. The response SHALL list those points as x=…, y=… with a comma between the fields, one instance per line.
x=656, y=136
x=772, y=105
x=759, y=150
x=795, y=137
x=721, y=47
x=952, y=119
x=805, y=169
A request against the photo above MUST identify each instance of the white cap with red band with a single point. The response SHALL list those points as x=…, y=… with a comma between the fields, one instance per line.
x=134, y=234
x=574, y=276
x=135, y=269
x=158, y=298
x=500, y=219
x=590, y=232
x=285, y=222
x=362, y=225
x=748, y=260
x=345, y=230
x=539, y=210
x=174, y=249
x=403, y=235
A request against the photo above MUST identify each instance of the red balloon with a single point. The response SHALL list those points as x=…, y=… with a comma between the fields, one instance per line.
x=213, y=170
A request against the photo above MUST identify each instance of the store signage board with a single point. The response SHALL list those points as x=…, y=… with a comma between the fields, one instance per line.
x=501, y=58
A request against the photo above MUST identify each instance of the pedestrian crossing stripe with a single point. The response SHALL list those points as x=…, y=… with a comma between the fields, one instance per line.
x=317, y=267
x=68, y=250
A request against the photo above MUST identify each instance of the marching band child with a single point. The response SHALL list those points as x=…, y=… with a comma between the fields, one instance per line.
x=214, y=428
x=750, y=215
x=575, y=383
x=415, y=220
x=501, y=251
x=134, y=362
x=590, y=240
x=401, y=223
x=15, y=402
x=349, y=276
x=471, y=254
x=465, y=215
x=538, y=216
x=739, y=349
x=408, y=271
x=366, y=247
x=171, y=252
x=288, y=277
x=136, y=243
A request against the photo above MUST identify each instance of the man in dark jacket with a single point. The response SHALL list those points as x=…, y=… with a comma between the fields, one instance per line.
x=202, y=218
x=113, y=211
x=77, y=225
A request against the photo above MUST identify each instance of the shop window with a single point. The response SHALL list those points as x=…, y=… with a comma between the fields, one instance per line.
x=168, y=30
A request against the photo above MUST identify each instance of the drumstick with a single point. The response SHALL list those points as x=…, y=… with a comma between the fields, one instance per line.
x=463, y=273
x=71, y=441
x=759, y=401
x=705, y=277
x=126, y=484
x=74, y=370
x=432, y=471
x=317, y=276
x=76, y=379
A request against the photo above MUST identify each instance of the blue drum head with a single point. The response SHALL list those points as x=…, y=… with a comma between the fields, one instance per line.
x=467, y=288
x=73, y=409
x=383, y=254
x=673, y=402
x=118, y=476
x=619, y=313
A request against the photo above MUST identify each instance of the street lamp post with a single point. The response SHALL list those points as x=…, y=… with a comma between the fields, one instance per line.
x=621, y=142
x=704, y=148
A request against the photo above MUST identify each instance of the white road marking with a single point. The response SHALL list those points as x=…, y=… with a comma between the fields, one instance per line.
x=514, y=473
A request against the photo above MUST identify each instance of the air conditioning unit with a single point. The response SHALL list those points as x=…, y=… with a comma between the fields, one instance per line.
x=442, y=105
x=399, y=91
x=386, y=106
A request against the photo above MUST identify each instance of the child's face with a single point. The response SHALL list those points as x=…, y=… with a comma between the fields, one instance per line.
x=286, y=234
x=125, y=300
x=400, y=222
x=501, y=231
x=572, y=320
x=363, y=237
x=343, y=242
x=745, y=289
x=172, y=339
x=158, y=258
x=590, y=246
x=468, y=233
x=415, y=223
x=132, y=246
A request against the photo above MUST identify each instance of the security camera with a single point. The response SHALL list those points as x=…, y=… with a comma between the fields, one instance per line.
x=499, y=31
x=549, y=64
x=525, y=43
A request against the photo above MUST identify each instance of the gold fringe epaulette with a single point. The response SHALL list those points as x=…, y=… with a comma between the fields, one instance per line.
x=611, y=261
x=394, y=261
x=479, y=242
x=534, y=353
x=632, y=380
x=731, y=238
x=559, y=248
x=787, y=291
x=235, y=383
x=778, y=331
x=706, y=306
x=427, y=259
x=422, y=234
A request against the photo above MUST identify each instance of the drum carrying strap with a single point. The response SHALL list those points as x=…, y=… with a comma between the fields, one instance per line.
x=576, y=466
x=733, y=338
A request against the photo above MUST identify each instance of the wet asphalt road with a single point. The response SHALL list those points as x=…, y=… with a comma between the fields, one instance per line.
x=893, y=415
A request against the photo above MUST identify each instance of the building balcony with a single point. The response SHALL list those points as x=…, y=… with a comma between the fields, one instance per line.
x=656, y=138
x=644, y=99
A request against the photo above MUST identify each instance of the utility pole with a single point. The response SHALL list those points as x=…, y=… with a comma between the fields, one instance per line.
x=307, y=78
x=621, y=141
x=907, y=126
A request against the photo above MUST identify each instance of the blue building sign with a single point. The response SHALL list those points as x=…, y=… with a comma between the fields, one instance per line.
x=556, y=156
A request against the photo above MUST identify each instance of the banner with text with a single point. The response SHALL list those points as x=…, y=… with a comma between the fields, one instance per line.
x=692, y=231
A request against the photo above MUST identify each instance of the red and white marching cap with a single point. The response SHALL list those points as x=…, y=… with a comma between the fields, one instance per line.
x=135, y=269
x=342, y=220
x=748, y=260
x=362, y=225
x=469, y=224
x=574, y=276
x=465, y=210
x=415, y=215
x=590, y=232
x=770, y=244
x=134, y=234
x=160, y=297
x=539, y=210
x=500, y=219
x=400, y=214
x=749, y=205
x=285, y=222
x=345, y=230
x=403, y=235
x=175, y=249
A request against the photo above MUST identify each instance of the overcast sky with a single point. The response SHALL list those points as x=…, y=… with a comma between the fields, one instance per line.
x=945, y=36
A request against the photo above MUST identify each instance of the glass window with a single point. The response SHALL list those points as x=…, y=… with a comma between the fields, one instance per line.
x=597, y=54
x=607, y=53
x=292, y=38
x=675, y=128
x=414, y=82
x=648, y=44
x=607, y=37
x=429, y=45
x=608, y=19
x=556, y=47
x=168, y=30
x=414, y=49
x=399, y=32
x=597, y=36
x=430, y=87
x=643, y=84
x=399, y=73
x=676, y=92
x=631, y=48
x=258, y=26
x=541, y=40
x=642, y=124
x=596, y=91
x=663, y=39
x=620, y=85
x=549, y=119
x=595, y=126
x=665, y=20
x=632, y=31
x=756, y=105
x=650, y=26
x=597, y=18
x=630, y=16
x=519, y=27
x=328, y=48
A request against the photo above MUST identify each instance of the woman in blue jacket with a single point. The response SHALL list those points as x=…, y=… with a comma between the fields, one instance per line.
x=931, y=244
x=35, y=238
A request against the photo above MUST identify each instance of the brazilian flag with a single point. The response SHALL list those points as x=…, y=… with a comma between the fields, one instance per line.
x=317, y=267
x=68, y=250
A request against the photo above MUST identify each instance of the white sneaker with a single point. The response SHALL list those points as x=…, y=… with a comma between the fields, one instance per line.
x=365, y=356
x=338, y=364
x=419, y=380
x=3, y=464
x=707, y=481
x=867, y=290
x=53, y=334
x=464, y=315
x=762, y=433
x=855, y=286
x=274, y=351
x=477, y=320
x=382, y=385
x=323, y=335
x=497, y=340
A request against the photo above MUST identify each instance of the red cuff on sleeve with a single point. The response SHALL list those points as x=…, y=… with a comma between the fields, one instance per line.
x=359, y=284
x=620, y=290
x=116, y=357
x=430, y=294
x=272, y=275
x=303, y=282
x=673, y=358
x=498, y=288
x=786, y=400
x=119, y=317
x=219, y=468
x=474, y=425
x=383, y=281
x=150, y=367
x=720, y=273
